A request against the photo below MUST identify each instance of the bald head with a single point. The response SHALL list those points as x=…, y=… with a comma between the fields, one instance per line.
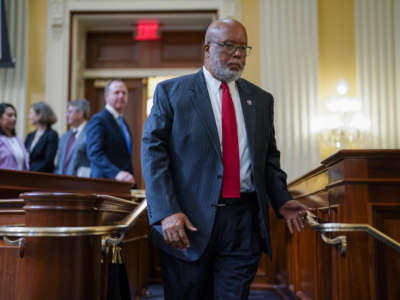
x=223, y=46
x=219, y=27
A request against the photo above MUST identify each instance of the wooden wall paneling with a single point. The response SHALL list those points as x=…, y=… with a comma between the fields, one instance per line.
x=353, y=268
x=325, y=269
x=136, y=116
x=10, y=265
x=11, y=212
x=357, y=180
x=180, y=48
x=385, y=267
x=119, y=50
x=112, y=49
x=383, y=167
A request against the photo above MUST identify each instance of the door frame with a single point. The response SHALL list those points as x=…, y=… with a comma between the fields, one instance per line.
x=63, y=30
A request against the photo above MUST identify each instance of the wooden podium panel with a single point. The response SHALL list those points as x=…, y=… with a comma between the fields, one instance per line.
x=351, y=186
x=65, y=267
x=12, y=183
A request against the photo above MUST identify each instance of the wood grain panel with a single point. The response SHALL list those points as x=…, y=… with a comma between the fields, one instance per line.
x=120, y=50
x=8, y=262
x=386, y=217
x=178, y=47
x=64, y=268
x=12, y=183
x=362, y=187
x=111, y=49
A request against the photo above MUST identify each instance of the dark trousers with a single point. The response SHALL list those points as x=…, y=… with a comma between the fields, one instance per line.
x=228, y=265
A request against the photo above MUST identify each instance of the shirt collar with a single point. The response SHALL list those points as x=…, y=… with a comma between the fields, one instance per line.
x=40, y=131
x=79, y=129
x=214, y=83
x=114, y=113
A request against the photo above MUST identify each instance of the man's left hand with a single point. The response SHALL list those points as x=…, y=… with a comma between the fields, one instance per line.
x=293, y=212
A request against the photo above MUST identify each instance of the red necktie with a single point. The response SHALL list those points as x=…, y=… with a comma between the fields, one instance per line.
x=230, y=147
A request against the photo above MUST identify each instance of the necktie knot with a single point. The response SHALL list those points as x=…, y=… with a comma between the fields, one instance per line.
x=224, y=86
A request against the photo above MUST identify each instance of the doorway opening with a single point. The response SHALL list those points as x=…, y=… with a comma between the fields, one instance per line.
x=104, y=46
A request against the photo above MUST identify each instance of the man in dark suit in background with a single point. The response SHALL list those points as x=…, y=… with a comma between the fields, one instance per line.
x=211, y=168
x=109, y=141
x=72, y=157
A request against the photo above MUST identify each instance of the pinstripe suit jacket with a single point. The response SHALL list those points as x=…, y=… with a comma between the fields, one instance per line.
x=77, y=157
x=182, y=161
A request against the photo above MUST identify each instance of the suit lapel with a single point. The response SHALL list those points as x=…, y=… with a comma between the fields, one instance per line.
x=117, y=128
x=249, y=113
x=114, y=124
x=202, y=104
x=40, y=141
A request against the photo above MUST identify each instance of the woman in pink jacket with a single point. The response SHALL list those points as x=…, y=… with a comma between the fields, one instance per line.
x=13, y=154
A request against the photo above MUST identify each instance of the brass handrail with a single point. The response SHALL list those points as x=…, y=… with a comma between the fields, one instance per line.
x=126, y=223
x=312, y=221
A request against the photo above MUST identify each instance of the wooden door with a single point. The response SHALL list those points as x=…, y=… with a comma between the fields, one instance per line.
x=135, y=113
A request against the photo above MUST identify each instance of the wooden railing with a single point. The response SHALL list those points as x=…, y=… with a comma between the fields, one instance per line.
x=66, y=267
x=350, y=187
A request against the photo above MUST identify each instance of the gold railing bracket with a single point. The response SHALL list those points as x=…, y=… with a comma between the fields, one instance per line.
x=312, y=221
x=19, y=242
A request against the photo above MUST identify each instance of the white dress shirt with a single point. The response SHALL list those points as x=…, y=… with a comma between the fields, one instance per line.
x=215, y=93
x=36, y=138
x=79, y=129
x=114, y=113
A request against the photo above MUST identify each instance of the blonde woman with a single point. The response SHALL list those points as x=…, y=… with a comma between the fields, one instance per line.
x=42, y=143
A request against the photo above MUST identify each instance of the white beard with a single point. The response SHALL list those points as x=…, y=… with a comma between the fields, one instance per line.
x=223, y=73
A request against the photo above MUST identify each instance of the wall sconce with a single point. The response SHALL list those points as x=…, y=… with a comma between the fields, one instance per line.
x=342, y=125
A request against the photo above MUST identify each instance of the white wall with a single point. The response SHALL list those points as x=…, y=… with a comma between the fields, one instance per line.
x=289, y=70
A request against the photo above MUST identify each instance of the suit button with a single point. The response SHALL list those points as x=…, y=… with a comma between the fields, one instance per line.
x=219, y=176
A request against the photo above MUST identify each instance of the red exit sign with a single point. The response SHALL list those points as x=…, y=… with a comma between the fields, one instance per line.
x=147, y=30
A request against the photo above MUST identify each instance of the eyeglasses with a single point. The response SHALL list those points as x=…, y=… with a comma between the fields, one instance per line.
x=231, y=48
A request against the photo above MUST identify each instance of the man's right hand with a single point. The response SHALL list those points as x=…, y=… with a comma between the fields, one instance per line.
x=173, y=228
x=125, y=176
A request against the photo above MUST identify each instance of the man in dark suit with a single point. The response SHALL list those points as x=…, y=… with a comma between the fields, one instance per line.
x=211, y=168
x=72, y=157
x=109, y=142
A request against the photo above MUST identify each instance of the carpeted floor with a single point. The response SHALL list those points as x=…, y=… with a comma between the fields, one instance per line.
x=156, y=293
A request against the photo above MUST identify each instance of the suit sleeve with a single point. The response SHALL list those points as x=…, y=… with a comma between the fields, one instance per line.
x=156, y=161
x=95, y=137
x=276, y=177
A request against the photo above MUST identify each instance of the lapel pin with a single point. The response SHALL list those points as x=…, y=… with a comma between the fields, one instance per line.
x=249, y=102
